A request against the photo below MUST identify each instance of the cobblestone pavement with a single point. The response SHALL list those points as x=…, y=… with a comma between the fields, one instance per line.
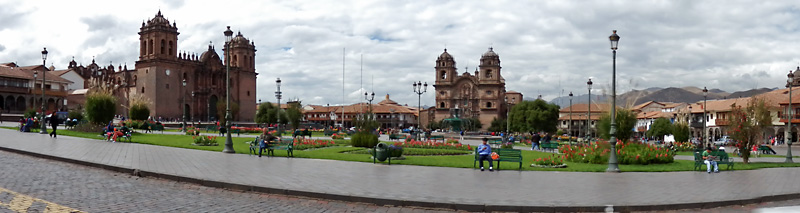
x=29, y=184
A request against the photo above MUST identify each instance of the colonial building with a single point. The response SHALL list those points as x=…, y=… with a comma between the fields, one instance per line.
x=576, y=121
x=21, y=88
x=388, y=113
x=482, y=95
x=161, y=71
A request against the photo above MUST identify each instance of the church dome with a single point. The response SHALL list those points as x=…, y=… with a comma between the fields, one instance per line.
x=387, y=101
x=490, y=53
x=158, y=20
x=445, y=55
x=209, y=54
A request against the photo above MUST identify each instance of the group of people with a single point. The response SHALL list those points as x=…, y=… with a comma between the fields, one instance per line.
x=25, y=125
x=112, y=132
x=537, y=138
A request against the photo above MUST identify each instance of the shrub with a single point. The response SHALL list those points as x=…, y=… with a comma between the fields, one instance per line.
x=100, y=107
x=88, y=127
x=451, y=140
x=627, y=153
x=395, y=151
x=205, y=141
x=76, y=114
x=507, y=146
x=30, y=113
x=191, y=130
x=139, y=111
x=548, y=161
x=336, y=136
x=312, y=143
x=684, y=146
x=364, y=139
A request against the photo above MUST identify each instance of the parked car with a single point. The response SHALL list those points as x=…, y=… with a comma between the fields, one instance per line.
x=723, y=141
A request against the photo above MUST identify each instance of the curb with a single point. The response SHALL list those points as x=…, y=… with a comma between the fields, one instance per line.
x=392, y=202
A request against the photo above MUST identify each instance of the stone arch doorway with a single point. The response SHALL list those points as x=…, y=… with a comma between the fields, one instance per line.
x=21, y=104
x=51, y=104
x=212, y=107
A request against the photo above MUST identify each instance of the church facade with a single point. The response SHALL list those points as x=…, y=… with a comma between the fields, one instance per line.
x=161, y=71
x=480, y=95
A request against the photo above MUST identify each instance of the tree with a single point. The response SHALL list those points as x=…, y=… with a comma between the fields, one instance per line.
x=748, y=124
x=534, y=116
x=435, y=125
x=659, y=128
x=498, y=125
x=626, y=120
x=267, y=114
x=681, y=132
x=473, y=124
x=294, y=115
x=221, y=111
x=138, y=109
x=100, y=106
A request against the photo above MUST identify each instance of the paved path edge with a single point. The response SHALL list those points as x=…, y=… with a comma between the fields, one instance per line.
x=392, y=202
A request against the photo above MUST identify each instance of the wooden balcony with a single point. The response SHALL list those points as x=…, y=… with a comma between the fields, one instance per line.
x=20, y=90
x=57, y=93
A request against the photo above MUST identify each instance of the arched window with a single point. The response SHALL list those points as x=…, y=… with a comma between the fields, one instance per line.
x=170, y=47
x=441, y=105
x=143, y=48
x=443, y=75
x=142, y=90
x=488, y=73
x=134, y=79
x=235, y=60
x=163, y=45
x=150, y=47
x=248, y=93
x=184, y=76
x=488, y=104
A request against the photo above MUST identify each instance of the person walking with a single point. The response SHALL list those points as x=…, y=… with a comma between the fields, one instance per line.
x=53, y=124
x=535, y=141
x=484, y=152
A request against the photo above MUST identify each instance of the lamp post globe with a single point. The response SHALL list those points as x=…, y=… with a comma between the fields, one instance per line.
x=589, y=114
x=788, y=133
x=228, y=140
x=705, y=97
x=278, y=95
x=419, y=89
x=43, y=128
x=612, y=158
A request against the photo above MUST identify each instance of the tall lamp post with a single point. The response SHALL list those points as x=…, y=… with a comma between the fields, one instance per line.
x=570, y=116
x=369, y=99
x=228, y=141
x=508, y=119
x=589, y=116
x=612, y=158
x=788, y=133
x=705, y=95
x=419, y=89
x=689, y=122
x=43, y=128
x=278, y=95
x=183, y=96
x=391, y=117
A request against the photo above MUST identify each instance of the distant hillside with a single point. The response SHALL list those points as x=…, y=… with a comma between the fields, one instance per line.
x=749, y=93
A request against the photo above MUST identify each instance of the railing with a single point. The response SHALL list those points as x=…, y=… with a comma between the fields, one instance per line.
x=14, y=89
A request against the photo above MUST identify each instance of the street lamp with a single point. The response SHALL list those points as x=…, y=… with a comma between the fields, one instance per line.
x=183, y=96
x=391, y=118
x=198, y=120
x=570, y=116
x=612, y=158
x=787, y=134
x=705, y=95
x=419, y=89
x=689, y=121
x=508, y=119
x=278, y=95
x=589, y=116
x=369, y=99
x=228, y=141
x=43, y=128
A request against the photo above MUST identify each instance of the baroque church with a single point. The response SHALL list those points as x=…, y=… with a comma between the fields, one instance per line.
x=480, y=95
x=161, y=70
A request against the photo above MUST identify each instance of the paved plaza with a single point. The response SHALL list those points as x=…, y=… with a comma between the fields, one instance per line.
x=402, y=185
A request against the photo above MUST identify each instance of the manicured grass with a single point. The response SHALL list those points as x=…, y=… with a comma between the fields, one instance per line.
x=456, y=161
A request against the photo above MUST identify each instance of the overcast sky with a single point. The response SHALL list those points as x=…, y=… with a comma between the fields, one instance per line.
x=546, y=47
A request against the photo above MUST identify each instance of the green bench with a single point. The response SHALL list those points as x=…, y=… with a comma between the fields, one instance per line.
x=253, y=145
x=722, y=159
x=553, y=147
x=282, y=144
x=436, y=138
x=397, y=137
x=302, y=133
x=495, y=142
x=506, y=155
x=212, y=128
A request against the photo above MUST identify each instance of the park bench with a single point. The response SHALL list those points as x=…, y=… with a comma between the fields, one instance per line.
x=282, y=144
x=126, y=136
x=507, y=155
x=435, y=138
x=552, y=146
x=722, y=158
x=397, y=137
x=495, y=142
x=254, y=145
x=301, y=133
x=212, y=128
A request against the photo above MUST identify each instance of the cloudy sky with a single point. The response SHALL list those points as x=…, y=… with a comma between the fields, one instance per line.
x=546, y=47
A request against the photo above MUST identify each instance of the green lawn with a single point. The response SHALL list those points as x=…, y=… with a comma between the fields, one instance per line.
x=456, y=161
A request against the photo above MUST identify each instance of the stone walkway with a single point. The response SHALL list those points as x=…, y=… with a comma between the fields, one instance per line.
x=456, y=188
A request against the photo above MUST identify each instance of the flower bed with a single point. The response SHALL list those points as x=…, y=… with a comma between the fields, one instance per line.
x=312, y=144
x=418, y=152
x=432, y=145
x=627, y=153
x=191, y=130
x=549, y=162
x=205, y=141
x=337, y=136
x=684, y=146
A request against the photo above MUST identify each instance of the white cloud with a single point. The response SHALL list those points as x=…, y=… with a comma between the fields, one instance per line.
x=546, y=47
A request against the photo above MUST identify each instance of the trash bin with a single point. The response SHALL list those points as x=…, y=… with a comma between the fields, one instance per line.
x=381, y=152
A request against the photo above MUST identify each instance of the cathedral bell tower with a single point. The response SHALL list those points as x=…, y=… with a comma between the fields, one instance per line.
x=445, y=68
x=158, y=39
x=490, y=68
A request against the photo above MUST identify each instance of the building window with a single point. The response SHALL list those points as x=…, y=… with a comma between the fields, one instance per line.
x=441, y=105
x=142, y=90
x=443, y=75
x=441, y=92
x=167, y=86
x=163, y=45
x=170, y=47
x=150, y=47
x=248, y=93
x=488, y=104
x=488, y=73
x=488, y=92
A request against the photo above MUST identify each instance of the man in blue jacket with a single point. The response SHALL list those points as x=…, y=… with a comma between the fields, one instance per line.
x=484, y=152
